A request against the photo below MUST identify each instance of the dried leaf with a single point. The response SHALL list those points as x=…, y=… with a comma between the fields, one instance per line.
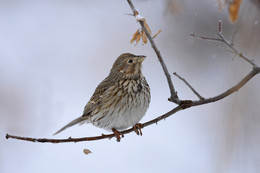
x=87, y=151
x=144, y=38
x=141, y=34
x=234, y=10
x=138, y=38
x=157, y=33
x=134, y=36
x=147, y=27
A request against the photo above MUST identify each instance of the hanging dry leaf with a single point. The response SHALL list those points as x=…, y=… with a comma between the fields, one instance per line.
x=144, y=38
x=157, y=33
x=135, y=36
x=147, y=26
x=141, y=34
x=138, y=38
x=87, y=151
x=234, y=10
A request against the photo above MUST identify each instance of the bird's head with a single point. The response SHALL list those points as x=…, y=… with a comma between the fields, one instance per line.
x=128, y=65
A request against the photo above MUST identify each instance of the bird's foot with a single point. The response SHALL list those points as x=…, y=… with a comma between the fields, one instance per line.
x=117, y=134
x=137, y=129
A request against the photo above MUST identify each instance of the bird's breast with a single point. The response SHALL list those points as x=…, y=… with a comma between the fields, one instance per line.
x=126, y=104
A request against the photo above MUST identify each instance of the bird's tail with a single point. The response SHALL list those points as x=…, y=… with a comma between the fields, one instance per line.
x=72, y=123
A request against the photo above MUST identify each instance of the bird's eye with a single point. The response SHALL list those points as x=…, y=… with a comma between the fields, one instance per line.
x=130, y=61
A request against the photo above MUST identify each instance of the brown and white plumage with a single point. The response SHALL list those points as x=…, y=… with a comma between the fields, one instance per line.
x=121, y=99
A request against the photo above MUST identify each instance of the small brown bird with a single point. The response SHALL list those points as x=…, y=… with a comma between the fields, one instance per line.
x=120, y=100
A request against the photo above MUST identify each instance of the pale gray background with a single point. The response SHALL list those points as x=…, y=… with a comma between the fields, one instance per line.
x=54, y=53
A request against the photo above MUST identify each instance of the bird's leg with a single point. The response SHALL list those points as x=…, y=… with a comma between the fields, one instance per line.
x=137, y=129
x=117, y=134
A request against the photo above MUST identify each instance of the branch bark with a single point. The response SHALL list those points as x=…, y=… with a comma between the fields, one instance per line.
x=192, y=89
x=182, y=104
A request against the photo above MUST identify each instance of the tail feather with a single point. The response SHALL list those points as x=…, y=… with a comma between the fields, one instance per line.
x=72, y=123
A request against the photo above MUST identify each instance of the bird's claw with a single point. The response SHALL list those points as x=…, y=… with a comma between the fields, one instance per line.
x=117, y=135
x=137, y=129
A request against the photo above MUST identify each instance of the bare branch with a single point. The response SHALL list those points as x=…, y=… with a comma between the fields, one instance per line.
x=220, y=26
x=108, y=136
x=192, y=89
x=224, y=40
x=236, y=87
x=174, y=97
x=205, y=38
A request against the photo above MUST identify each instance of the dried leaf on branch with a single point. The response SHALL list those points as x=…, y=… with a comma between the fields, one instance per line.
x=157, y=33
x=144, y=38
x=136, y=37
x=141, y=34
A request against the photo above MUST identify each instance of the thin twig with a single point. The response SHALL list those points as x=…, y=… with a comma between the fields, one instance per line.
x=220, y=26
x=205, y=38
x=230, y=45
x=240, y=84
x=216, y=40
x=224, y=40
x=192, y=89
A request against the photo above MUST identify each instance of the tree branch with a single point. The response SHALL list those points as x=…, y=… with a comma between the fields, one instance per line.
x=223, y=39
x=192, y=89
x=182, y=104
x=174, y=97
x=228, y=92
x=103, y=136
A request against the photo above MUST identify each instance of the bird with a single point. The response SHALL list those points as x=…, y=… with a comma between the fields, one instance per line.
x=120, y=100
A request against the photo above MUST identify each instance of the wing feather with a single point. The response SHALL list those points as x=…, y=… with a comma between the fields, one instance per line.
x=96, y=98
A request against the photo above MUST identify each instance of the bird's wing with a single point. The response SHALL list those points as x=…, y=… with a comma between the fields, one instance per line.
x=94, y=102
x=96, y=98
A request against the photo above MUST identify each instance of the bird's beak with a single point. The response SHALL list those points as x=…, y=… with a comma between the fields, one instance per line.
x=141, y=58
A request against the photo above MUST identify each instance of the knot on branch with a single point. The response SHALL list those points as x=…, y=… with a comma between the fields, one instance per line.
x=185, y=104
